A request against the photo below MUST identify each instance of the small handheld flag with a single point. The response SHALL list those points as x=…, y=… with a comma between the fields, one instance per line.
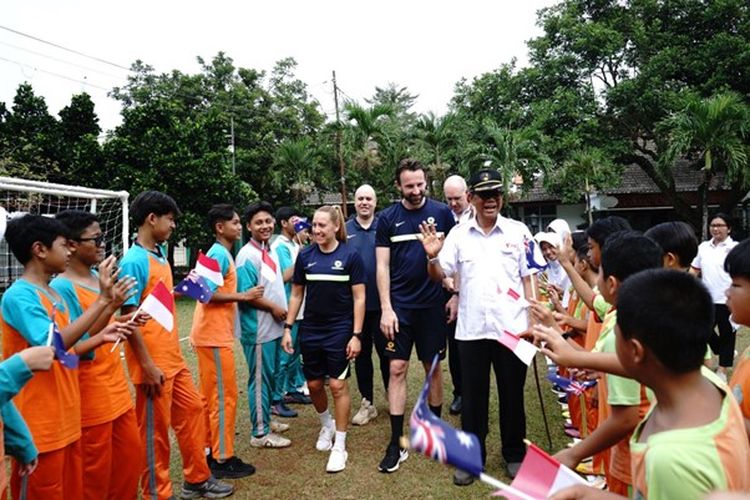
x=534, y=258
x=209, y=269
x=436, y=439
x=67, y=359
x=540, y=476
x=300, y=224
x=523, y=349
x=195, y=287
x=569, y=385
x=159, y=304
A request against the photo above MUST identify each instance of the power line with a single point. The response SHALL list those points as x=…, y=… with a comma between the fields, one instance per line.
x=58, y=75
x=73, y=51
x=61, y=60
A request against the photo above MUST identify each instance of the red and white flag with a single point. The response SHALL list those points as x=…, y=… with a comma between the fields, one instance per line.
x=267, y=265
x=540, y=476
x=209, y=268
x=159, y=304
x=516, y=297
x=523, y=349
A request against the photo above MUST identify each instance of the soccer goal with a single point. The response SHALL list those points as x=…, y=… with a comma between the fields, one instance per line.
x=21, y=196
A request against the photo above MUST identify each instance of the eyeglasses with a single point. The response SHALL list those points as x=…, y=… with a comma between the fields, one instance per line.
x=98, y=240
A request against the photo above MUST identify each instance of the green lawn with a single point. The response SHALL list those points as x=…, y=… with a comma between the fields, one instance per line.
x=299, y=471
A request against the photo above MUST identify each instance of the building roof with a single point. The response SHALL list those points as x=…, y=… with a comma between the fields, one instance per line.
x=635, y=181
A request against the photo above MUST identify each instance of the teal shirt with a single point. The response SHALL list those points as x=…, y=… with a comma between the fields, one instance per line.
x=18, y=441
x=67, y=291
x=221, y=255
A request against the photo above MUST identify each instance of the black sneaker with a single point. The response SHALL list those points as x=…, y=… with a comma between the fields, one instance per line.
x=233, y=468
x=210, y=488
x=393, y=458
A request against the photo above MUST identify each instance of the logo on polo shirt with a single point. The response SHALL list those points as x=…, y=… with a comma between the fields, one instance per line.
x=430, y=220
x=398, y=224
x=390, y=346
x=310, y=265
x=350, y=236
x=337, y=265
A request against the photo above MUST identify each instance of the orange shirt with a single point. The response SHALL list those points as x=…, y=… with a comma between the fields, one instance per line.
x=148, y=268
x=50, y=403
x=214, y=323
x=104, y=388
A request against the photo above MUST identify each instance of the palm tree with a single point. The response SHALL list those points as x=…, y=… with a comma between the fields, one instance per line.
x=712, y=133
x=436, y=136
x=513, y=152
x=367, y=129
x=590, y=167
x=296, y=167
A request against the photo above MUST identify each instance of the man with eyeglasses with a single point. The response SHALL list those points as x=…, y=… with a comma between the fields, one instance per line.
x=489, y=253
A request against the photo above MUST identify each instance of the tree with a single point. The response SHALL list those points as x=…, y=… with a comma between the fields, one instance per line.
x=30, y=137
x=589, y=168
x=514, y=152
x=436, y=136
x=81, y=155
x=712, y=133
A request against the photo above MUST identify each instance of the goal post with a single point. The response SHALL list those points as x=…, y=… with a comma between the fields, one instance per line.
x=22, y=196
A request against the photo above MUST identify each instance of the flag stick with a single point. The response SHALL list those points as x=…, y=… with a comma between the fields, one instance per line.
x=496, y=483
x=536, y=377
x=51, y=331
x=131, y=320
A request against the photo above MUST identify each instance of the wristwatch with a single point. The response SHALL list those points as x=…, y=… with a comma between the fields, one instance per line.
x=287, y=326
x=357, y=335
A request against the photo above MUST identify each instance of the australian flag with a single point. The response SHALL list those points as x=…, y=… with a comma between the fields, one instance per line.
x=67, y=359
x=436, y=438
x=195, y=287
x=569, y=385
x=534, y=257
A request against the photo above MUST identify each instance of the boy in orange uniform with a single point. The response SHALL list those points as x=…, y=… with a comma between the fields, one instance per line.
x=14, y=373
x=110, y=435
x=737, y=264
x=212, y=336
x=165, y=393
x=692, y=441
x=50, y=403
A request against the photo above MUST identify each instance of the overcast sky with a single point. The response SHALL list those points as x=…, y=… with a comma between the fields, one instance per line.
x=425, y=46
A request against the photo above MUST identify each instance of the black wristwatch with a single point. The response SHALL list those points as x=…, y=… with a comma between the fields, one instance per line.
x=287, y=326
x=357, y=335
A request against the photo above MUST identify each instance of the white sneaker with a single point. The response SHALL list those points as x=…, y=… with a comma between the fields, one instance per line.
x=337, y=460
x=304, y=389
x=325, y=437
x=366, y=412
x=279, y=427
x=270, y=440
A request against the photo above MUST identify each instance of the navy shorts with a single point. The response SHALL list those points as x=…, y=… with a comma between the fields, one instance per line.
x=425, y=328
x=324, y=356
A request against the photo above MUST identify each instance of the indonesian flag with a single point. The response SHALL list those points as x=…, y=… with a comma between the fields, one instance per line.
x=540, y=476
x=267, y=265
x=209, y=268
x=523, y=349
x=160, y=306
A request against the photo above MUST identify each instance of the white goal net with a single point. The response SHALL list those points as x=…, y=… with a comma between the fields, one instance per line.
x=21, y=196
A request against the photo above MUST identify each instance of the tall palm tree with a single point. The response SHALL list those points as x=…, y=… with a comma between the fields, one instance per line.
x=436, y=136
x=713, y=134
x=513, y=152
x=590, y=167
x=367, y=128
x=296, y=167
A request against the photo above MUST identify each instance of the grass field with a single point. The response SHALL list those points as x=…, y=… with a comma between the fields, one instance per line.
x=299, y=471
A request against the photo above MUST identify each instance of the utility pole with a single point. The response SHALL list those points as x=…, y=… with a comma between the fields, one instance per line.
x=339, y=153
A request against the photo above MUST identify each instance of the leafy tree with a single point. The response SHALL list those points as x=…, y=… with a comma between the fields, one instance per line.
x=436, y=136
x=712, y=133
x=590, y=166
x=81, y=157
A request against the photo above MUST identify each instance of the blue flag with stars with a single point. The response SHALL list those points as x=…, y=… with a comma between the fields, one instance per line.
x=438, y=440
x=534, y=258
x=67, y=359
x=195, y=287
x=569, y=385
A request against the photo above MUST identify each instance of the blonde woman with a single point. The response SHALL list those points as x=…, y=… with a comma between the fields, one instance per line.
x=330, y=275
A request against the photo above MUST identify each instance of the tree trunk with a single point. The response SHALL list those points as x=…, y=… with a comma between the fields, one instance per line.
x=703, y=193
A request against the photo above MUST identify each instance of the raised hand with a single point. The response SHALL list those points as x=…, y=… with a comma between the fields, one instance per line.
x=107, y=277
x=123, y=289
x=431, y=242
